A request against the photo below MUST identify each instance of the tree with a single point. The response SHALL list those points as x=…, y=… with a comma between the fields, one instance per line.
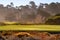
x=46, y=5
x=33, y=4
x=8, y=6
x=27, y=6
x=1, y=5
x=12, y=4
x=41, y=5
x=53, y=8
x=42, y=13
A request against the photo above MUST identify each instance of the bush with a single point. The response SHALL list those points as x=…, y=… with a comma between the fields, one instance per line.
x=55, y=20
x=2, y=24
x=50, y=21
x=16, y=24
x=12, y=23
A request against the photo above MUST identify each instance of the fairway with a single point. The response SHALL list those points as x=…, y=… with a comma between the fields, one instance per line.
x=31, y=27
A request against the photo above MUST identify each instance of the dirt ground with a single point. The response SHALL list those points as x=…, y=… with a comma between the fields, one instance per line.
x=29, y=35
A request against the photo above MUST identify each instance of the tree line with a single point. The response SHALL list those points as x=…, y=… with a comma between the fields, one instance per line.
x=29, y=14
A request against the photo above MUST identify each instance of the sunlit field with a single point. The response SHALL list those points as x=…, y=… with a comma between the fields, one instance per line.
x=31, y=27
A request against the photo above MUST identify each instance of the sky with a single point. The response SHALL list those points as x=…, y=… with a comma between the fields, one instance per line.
x=24, y=2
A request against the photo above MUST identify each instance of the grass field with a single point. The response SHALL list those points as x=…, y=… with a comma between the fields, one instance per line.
x=31, y=27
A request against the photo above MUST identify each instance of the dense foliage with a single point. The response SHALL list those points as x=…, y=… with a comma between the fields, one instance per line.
x=55, y=20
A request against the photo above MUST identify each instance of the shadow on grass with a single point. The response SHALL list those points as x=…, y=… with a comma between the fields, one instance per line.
x=3, y=24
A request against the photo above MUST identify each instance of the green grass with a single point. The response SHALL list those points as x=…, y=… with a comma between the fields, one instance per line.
x=31, y=27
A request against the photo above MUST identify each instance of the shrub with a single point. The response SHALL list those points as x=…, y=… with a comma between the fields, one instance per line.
x=55, y=20
x=2, y=24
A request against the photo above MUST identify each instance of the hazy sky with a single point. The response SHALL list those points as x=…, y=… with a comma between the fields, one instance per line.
x=24, y=2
